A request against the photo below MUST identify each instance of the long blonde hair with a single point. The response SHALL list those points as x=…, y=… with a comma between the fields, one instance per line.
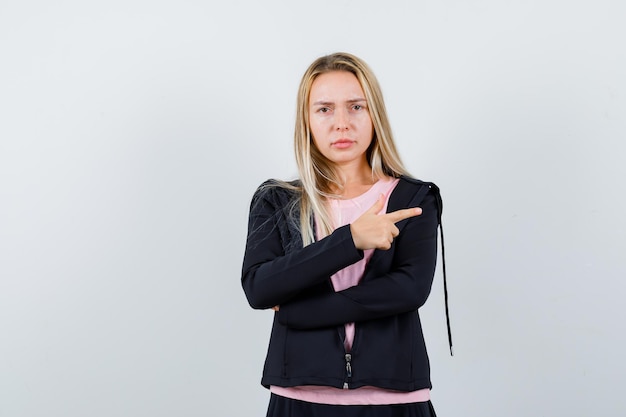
x=318, y=176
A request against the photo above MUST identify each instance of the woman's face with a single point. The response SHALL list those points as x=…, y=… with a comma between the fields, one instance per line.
x=339, y=118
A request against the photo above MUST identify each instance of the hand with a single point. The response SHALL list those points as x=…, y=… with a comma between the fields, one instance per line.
x=276, y=308
x=377, y=231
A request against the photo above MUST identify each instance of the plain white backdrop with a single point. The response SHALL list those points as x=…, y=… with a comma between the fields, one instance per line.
x=133, y=134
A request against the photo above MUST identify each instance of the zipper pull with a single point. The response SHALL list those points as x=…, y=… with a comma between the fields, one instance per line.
x=348, y=370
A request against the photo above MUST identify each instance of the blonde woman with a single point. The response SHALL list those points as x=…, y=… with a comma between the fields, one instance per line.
x=345, y=256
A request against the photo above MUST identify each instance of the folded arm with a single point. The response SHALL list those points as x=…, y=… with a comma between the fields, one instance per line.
x=271, y=276
x=403, y=287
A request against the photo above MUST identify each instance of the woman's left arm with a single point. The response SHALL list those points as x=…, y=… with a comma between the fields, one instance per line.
x=404, y=287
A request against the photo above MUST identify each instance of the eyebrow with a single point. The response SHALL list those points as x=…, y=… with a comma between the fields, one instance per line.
x=323, y=102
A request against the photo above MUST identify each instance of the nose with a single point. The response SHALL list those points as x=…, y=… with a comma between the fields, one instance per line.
x=342, y=119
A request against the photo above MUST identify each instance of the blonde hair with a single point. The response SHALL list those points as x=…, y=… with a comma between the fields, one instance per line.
x=318, y=176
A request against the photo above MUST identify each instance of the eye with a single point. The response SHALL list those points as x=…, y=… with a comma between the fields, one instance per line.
x=323, y=109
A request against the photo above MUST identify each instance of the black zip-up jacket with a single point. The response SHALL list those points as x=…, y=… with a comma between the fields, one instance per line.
x=306, y=343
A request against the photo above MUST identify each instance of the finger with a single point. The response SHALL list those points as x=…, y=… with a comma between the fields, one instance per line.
x=399, y=215
x=378, y=205
x=395, y=232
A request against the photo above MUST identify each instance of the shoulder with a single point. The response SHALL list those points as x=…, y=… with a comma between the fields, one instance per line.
x=412, y=185
x=416, y=183
x=278, y=188
x=412, y=192
x=276, y=192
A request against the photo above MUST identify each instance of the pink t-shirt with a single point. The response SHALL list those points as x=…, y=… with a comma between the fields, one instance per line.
x=345, y=212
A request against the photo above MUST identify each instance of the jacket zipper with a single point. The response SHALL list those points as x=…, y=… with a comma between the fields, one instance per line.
x=348, y=358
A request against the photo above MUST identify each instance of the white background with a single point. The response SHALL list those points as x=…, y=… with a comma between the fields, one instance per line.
x=133, y=134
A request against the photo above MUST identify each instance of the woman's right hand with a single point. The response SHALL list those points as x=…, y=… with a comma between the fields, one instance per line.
x=377, y=231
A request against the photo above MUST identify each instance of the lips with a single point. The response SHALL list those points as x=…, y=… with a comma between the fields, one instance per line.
x=342, y=143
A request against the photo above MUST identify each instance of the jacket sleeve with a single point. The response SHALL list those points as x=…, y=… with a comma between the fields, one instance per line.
x=270, y=276
x=404, y=287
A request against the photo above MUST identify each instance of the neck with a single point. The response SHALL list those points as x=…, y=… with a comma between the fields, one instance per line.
x=356, y=179
x=356, y=171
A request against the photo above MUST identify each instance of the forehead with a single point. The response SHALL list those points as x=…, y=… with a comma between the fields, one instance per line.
x=336, y=86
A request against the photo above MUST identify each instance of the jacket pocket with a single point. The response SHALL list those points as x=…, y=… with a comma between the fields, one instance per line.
x=385, y=354
x=314, y=356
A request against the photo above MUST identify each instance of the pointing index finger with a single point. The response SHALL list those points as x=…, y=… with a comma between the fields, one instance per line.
x=402, y=214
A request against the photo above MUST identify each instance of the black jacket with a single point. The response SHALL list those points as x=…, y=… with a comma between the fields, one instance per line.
x=306, y=344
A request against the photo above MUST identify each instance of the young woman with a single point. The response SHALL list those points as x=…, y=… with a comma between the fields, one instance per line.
x=344, y=256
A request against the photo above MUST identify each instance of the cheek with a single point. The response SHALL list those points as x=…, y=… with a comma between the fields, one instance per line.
x=318, y=122
x=368, y=127
x=317, y=129
x=315, y=135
